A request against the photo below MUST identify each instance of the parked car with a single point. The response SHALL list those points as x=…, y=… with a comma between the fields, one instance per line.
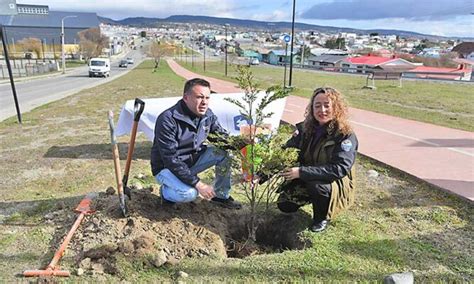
x=130, y=60
x=123, y=63
x=254, y=61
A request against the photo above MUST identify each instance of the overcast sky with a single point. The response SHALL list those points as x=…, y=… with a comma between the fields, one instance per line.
x=436, y=17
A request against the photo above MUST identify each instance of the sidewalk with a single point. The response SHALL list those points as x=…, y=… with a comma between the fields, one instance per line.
x=441, y=156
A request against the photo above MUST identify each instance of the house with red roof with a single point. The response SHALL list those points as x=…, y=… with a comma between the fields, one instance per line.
x=369, y=63
x=463, y=72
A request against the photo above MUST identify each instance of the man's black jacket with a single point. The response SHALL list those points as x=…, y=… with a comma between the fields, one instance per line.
x=178, y=141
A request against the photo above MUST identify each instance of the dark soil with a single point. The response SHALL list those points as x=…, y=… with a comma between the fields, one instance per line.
x=163, y=233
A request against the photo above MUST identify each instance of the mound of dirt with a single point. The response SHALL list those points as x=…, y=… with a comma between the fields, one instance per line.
x=163, y=233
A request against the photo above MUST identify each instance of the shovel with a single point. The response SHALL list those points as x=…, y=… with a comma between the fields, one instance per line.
x=53, y=268
x=138, y=108
x=116, y=155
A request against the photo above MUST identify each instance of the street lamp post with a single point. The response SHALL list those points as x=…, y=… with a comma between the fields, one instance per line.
x=42, y=47
x=204, y=58
x=302, y=55
x=225, y=27
x=63, y=59
x=292, y=40
x=286, y=57
x=192, y=53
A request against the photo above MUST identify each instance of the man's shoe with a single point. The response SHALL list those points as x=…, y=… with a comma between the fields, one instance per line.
x=319, y=226
x=229, y=203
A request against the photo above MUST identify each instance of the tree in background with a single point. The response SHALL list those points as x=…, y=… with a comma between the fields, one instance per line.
x=92, y=42
x=157, y=50
x=336, y=43
x=305, y=54
x=31, y=45
x=425, y=43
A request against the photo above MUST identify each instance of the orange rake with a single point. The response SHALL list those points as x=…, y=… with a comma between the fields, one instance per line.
x=53, y=268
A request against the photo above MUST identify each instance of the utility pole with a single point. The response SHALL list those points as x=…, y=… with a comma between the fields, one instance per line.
x=54, y=52
x=192, y=53
x=63, y=58
x=10, y=73
x=286, y=57
x=204, y=62
x=292, y=41
x=225, y=27
x=42, y=47
x=302, y=55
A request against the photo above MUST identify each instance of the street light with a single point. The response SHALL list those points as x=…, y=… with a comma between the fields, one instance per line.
x=62, y=42
x=192, y=53
x=302, y=55
x=292, y=40
x=225, y=27
x=204, y=58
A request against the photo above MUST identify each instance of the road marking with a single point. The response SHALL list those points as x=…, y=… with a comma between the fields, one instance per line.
x=413, y=138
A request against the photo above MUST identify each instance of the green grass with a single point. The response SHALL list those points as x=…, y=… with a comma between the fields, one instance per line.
x=62, y=151
x=75, y=63
x=448, y=104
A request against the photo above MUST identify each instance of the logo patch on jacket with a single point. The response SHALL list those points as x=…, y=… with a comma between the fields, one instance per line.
x=346, y=145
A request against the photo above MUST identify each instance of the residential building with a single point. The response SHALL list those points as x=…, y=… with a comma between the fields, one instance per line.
x=277, y=57
x=465, y=50
x=463, y=72
x=326, y=60
x=362, y=64
x=37, y=21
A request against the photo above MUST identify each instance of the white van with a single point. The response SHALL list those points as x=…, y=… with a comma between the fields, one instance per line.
x=99, y=67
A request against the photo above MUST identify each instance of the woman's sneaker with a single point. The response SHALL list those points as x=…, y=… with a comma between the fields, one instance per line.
x=229, y=203
x=319, y=226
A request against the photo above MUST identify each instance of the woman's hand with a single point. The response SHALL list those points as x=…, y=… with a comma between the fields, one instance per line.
x=291, y=173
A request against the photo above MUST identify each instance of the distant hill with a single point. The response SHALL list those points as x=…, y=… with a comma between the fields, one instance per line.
x=256, y=25
x=108, y=21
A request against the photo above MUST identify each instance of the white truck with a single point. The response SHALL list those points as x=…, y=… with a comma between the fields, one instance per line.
x=99, y=67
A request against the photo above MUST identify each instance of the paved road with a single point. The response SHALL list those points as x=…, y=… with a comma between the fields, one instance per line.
x=36, y=92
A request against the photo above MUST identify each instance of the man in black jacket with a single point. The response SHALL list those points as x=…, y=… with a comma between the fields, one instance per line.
x=179, y=151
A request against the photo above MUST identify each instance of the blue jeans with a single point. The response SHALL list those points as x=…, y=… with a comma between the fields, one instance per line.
x=173, y=189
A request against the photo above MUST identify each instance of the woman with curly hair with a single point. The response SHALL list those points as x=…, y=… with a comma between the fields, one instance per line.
x=328, y=148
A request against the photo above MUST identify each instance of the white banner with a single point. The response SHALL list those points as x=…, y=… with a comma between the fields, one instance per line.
x=227, y=113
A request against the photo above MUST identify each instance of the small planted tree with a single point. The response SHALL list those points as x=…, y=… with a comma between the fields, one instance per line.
x=264, y=156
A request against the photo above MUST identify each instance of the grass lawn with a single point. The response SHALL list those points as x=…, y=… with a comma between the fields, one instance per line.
x=74, y=63
x=448, y=104
x=63, y=151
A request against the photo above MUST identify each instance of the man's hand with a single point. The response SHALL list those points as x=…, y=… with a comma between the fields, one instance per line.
x=291, y=173
x=206, y=191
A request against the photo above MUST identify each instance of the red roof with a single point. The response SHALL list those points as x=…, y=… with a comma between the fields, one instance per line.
x=369, y=60
x=437, y=69
x=433, y=70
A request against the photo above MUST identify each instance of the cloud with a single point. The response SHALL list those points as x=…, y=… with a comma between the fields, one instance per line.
x=417, y=10
x=274, y=16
